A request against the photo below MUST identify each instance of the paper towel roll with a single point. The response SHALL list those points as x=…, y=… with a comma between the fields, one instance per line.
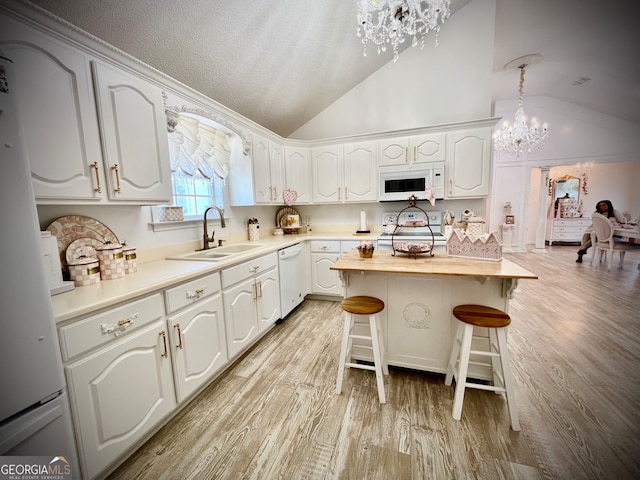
x=363, y=220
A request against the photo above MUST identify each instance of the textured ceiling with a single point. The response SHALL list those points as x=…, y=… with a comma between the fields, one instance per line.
x=280, y=62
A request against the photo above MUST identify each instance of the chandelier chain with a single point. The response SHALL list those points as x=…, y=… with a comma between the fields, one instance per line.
x=519, y=137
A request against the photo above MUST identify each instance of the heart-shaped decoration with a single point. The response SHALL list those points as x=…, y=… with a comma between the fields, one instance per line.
x=289, y=196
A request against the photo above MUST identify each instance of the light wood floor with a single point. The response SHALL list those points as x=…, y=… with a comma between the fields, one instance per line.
x=575, y=351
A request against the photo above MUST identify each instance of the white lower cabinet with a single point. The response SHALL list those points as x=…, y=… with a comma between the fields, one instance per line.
x=122, y=390
x=323, y=255
x=197, y=333
x=251, y=298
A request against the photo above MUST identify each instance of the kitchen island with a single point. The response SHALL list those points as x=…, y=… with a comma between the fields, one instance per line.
x=419, y=295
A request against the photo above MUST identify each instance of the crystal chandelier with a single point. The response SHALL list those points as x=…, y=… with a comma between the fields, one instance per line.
x=515, y=139
x=389, y=21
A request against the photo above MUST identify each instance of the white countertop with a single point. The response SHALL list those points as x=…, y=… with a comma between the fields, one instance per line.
x=157, y=275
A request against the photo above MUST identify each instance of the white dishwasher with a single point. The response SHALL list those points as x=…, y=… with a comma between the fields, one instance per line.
x=291, y=278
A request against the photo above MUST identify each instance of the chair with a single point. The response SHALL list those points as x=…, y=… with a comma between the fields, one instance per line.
x=354, y=307
x=496, y=321
x=603, y=241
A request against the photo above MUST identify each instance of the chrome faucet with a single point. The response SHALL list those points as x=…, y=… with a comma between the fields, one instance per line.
x=205, y=236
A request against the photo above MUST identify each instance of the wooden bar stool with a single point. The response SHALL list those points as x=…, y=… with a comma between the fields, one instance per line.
x=495, y=321
x=371, y=306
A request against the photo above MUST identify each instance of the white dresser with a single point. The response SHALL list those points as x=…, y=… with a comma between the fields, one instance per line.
x=566, y=229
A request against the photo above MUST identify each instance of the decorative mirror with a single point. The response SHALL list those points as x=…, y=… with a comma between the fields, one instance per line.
x=565, y=197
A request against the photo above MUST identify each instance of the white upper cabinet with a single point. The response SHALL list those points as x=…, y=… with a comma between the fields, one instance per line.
x=412, y=150
x=58, y=117
x=57, y=114
x=360, y=172
x=327, y=174
x=345, y=173
x=268, y=171
x=468, y=167
x=133, y=124
x=297, y=168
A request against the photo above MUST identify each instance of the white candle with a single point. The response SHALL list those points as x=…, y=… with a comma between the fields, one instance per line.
x=363, y=220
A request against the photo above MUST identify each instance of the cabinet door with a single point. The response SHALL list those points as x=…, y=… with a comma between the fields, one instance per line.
x=429, y=148
x=268, y=301
x=261, y=170
x=360, y=172
x=393, y=151
x=297, y=172
x=134, y=130
x=57, y=115
x=118, y=394
x=276, y=170
x=198, y=343
x=268, y=171
x=240, y=316
x=468, y=163
x=324, y=280
x=327, y=174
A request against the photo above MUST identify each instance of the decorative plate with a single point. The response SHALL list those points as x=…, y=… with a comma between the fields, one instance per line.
x=283, y=215
x=82, y=246
x=70, y=228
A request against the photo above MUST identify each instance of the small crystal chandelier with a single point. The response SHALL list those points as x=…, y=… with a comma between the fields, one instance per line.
x=389, y=21
x=515, y=139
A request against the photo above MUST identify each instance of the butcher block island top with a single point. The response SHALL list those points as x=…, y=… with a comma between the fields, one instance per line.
x=440, y=264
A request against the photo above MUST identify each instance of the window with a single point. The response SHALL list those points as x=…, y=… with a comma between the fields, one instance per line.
x=195, y=193
x=199, y=154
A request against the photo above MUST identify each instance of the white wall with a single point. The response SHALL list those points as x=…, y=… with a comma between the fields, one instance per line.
x=576, y=135
x=447, y=83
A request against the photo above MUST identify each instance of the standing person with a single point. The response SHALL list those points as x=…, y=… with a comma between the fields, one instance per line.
x=603, y=207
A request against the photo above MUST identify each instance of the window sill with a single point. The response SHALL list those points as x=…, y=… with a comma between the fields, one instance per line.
x=175, y=225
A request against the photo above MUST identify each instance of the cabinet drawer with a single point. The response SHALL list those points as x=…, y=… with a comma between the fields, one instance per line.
x=564, y=236
x=102, y=328
x=331, y=246
x=190, y=292
x=233, y=275
x=570, y=229
x=572, y=223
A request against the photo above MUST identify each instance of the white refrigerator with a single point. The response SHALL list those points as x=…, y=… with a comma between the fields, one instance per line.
x=35, y=419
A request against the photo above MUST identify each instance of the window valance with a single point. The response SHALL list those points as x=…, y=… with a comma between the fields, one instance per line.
x=197, y=148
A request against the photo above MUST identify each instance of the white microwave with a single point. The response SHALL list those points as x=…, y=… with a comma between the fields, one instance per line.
x=398, y=183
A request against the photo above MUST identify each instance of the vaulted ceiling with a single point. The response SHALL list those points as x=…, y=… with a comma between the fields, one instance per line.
x=281, y=62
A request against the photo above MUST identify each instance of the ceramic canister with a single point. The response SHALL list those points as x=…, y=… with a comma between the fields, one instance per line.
x=254, y=232
x=130, y=259
x=84, y=271
x=111, y=261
